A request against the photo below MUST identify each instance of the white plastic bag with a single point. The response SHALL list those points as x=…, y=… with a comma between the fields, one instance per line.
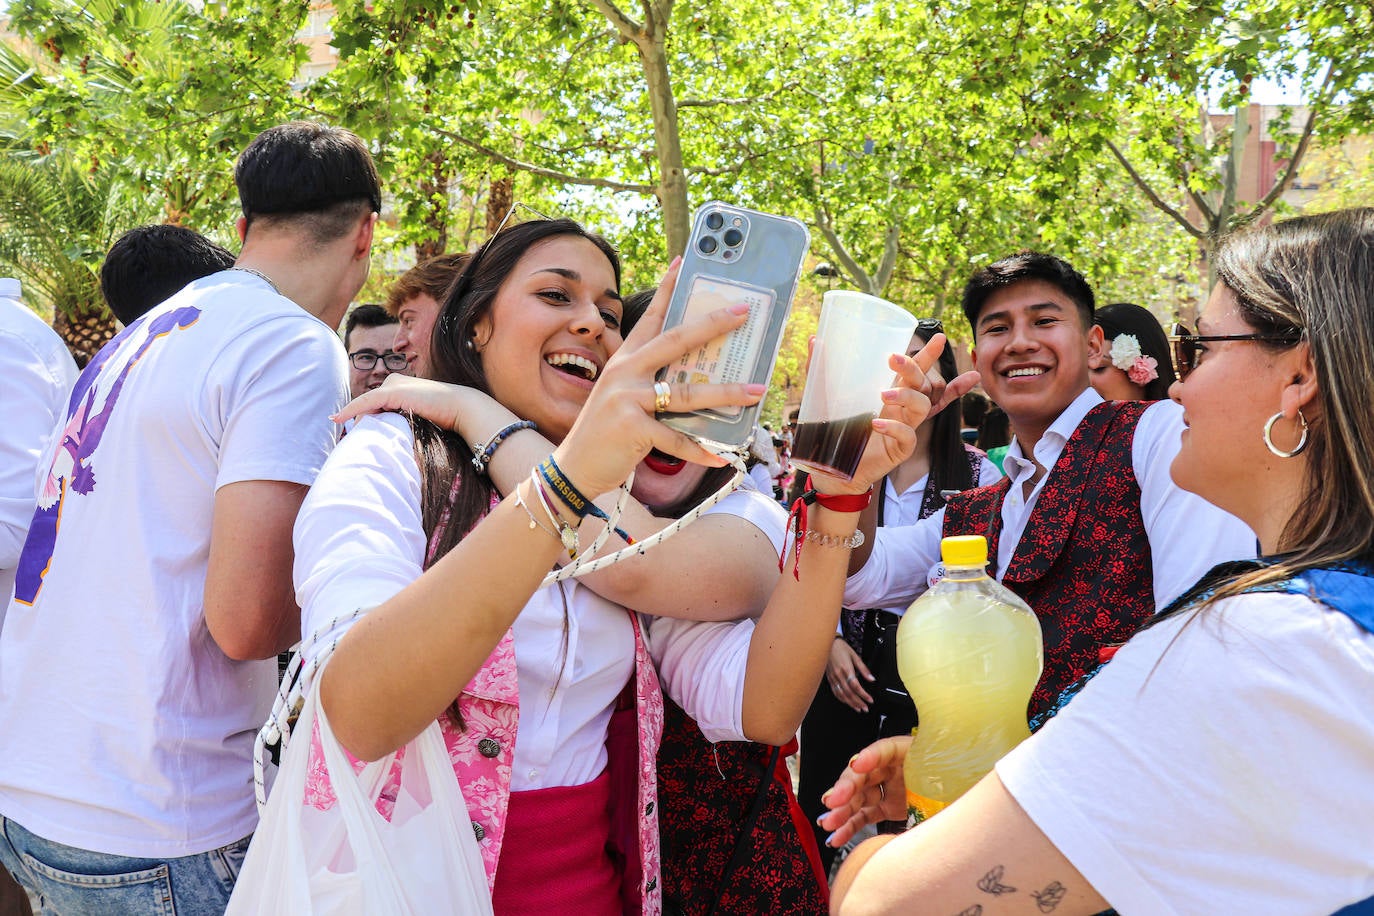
x=348, y=859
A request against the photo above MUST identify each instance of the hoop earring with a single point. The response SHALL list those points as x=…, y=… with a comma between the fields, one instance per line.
x=1302, y=438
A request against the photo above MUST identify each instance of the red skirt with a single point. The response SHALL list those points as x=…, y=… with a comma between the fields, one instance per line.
x=554, y=856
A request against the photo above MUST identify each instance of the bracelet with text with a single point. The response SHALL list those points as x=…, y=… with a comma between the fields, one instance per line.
x=581, y=506
x=853, y=502
x=481, y=457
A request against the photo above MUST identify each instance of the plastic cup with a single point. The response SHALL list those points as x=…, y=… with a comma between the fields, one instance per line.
x=846, y=379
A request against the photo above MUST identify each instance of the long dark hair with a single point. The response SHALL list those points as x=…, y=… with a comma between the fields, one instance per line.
x=1128, y=318
x=949, y=463
x=442, y=454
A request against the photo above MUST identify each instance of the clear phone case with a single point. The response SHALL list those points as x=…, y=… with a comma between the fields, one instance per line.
x=734, y=255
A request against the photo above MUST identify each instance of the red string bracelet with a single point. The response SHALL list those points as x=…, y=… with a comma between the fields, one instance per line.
x=849, y=502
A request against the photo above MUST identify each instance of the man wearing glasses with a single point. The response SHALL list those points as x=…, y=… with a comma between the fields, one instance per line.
x=368, y=337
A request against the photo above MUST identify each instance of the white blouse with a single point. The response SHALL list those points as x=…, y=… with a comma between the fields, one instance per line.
x=359, y=540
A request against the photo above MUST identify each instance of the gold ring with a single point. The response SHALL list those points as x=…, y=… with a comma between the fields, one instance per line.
x=663, y=396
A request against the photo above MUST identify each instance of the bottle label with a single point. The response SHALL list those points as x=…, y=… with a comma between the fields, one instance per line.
x=937, y=572
x=920, y=808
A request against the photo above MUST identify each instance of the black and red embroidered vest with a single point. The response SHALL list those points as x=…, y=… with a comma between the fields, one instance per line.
x=1083, y=563
x=706, y=794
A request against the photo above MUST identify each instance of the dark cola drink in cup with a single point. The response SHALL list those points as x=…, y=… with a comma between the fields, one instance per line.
x=832, y=446
x=844, y=384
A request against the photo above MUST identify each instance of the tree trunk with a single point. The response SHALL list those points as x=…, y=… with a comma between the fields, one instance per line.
x=672, y=184
x=434, y=189
x=84, y=329
x=499, y=202
x=1230, y=180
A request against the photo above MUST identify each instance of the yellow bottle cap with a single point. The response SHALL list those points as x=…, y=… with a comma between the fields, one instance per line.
x=964, y=550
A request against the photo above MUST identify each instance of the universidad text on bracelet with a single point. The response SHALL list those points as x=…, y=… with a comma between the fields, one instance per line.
x=572, y=497
x=481, y=456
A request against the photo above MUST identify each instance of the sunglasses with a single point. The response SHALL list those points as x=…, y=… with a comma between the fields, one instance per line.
x=517, y=205
x=463, y=281
x=1186, y=351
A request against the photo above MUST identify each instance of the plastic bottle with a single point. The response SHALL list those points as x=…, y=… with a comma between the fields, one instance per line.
x=970, y=653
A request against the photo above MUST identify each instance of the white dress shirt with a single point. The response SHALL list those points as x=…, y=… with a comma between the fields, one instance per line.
x=1187, y=534
x=905, y=508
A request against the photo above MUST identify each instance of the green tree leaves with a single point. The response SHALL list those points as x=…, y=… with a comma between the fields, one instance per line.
x=918, y=140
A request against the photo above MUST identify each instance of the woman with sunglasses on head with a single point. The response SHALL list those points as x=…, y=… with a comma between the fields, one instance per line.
x=1217, y=765
x=861, y=698
x=1133, y=364
x=544, y=694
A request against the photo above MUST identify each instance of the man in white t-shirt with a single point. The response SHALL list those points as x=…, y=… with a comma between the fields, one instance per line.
x=36, y=375
x=154, y=589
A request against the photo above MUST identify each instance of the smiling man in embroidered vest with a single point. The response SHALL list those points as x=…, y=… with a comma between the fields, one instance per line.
x=1087, y=527
x=154, y=589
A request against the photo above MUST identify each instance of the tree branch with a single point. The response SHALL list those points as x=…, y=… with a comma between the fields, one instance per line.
x=709, y=103
x=748, y=156
x=889, y=262
x=533, y=169
x=1209, y=215
x=735, y=103
x=657, y=15
x=626, y=26
x=857, y=273
x=1290, y=171
x=1155, y=199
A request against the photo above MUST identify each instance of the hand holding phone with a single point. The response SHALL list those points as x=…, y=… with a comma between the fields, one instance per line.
x=734, y=255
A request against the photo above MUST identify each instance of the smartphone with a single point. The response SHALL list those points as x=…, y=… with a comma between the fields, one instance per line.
x=734, y=255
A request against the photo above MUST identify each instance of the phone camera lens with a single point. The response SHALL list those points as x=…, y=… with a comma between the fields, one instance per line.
x=714, y=220
x=733, y=237
x=706, y=244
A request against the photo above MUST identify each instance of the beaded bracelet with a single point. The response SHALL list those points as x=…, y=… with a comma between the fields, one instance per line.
x=853, y=502
x=481, y=457
x=835, y=540
x=573, y=498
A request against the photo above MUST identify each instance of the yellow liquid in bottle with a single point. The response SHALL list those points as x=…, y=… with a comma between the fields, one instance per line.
x=970, y=653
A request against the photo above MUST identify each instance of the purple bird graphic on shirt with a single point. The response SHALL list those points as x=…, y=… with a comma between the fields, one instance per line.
x=72, y=470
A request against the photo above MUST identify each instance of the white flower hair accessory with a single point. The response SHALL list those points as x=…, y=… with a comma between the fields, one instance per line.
x=1127, y=357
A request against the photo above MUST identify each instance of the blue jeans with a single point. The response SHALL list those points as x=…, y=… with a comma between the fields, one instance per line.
x=65, y=881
